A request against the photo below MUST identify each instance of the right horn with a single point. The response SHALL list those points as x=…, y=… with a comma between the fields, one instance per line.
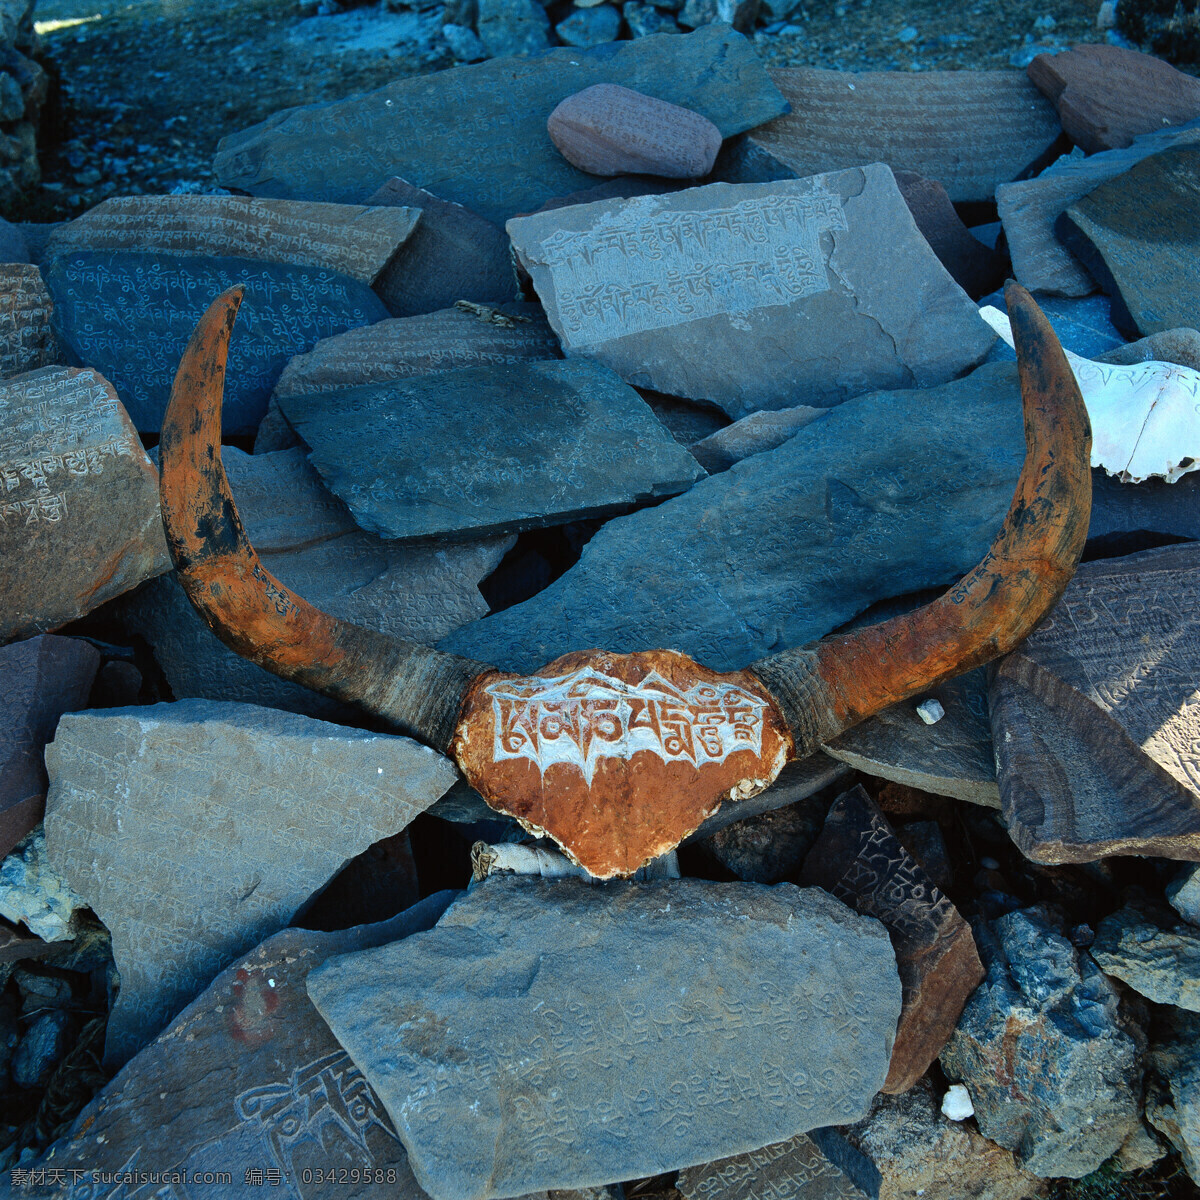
x=828, y=686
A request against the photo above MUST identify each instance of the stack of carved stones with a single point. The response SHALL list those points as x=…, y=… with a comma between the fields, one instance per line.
x=658, y=348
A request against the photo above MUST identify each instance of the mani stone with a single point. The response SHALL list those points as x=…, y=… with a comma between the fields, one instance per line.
x=27, y=339
x=1139, y=236
x=911, y=122
x=344, y=238
x=953, y=757
x=1158, y=957
x=44, y=677
x=1107, y=95
x=756, y=295
x=307, y=540
x=500, y=161
x=454, y=254
x=248, y=1077
x=194, y=830
x=859, y=859
x=131, y=315
x=489, y=450
x=555, y=1034
x=883, y=496
x=611, y=130
x=79, y=519
x=1096, y=737
x=1029, y=208
x=791, y=1170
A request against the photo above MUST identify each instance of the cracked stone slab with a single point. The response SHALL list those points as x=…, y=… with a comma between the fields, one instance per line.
x=755, y=296
x=273, y=805
x=501, y=161
x=551, y=1034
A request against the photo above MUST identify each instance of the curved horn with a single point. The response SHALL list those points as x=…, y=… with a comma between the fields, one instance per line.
x=416, y=689
x=827, y=687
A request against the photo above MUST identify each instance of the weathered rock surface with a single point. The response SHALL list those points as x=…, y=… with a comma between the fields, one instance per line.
x=885, y=495
x=859, y=859
x=768, y=847
x=500, y=162
x=792, y=1170
x=130, y=316
x=513, y=27
x=611, y=130
x=1180, y=346
x=454, y=254
x=347, y=239
x=79, y=520
x=1137, y=236
x=35, y=894
x=1173, y=1100
x=1095, y=735
x=912, y=122
x=752, y=435
x=27, y=339
x=754, y=296
x=44, y=677
x=308, y=540
x=1183, y=894
x=250, y=1078
x=1128, y=517
x=564, y=1024
x=1053, y=1070
x=1107, y=95
x=1156, y=956
x=273, y=804
x=489, y=450
x=1029, y=208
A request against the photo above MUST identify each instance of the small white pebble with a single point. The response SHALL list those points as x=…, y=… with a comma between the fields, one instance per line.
x=270, y=983
x=930, y=711
x=956, y=1103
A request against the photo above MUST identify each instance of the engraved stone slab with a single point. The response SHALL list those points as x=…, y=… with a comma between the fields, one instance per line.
x=1094, y=718
x=754, y=296
x=489, y=450
x=79, y=520
x=44, y=677
x=273, y=805
x=552, y=1034
x=345, y=238
x=249, y=1077
x=884, y=495
x=131, y=315
x=453, y=255
x=501, y=161
x=1029, y=208
x=912, y=122
x=27, y=339
x=859, y=859
x=307, y=539
x=791, y=1170
x=1138, y=235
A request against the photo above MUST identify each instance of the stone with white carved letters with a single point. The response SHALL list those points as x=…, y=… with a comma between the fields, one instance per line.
x=27, y=339
x=196, y=829
x=250, y=1080
x=552, y=1033
x=791, y=1170
x=756, y=295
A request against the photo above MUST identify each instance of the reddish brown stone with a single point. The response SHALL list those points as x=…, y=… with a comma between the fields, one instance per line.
x=859, y=859
x=618, y=757
x=1107, y=95
x=611, y=130
x=27, y=340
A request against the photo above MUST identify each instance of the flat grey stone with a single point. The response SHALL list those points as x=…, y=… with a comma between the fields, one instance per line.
x=489, y=450
x=250, y=1078
x=791, y=1170
x=1155, y=955
x=308, y=540
x=501, y=161
x=345, y=238
x=79, y=517
x=1128, y=517
x=131, y=315
x=27, y=339
x=1029, y=208
x=1080, y=324
x=755, y=296
x=969, y=130
x=1052, y=1065
x=885, y=495
x=1180, y=346
x=751, y=435
x=555, y=1034
x=194, y=830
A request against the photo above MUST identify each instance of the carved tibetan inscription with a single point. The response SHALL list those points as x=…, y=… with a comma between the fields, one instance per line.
x=618, y=757
x=27, y=340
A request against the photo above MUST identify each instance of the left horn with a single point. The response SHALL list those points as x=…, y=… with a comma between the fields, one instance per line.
x=827, y=687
